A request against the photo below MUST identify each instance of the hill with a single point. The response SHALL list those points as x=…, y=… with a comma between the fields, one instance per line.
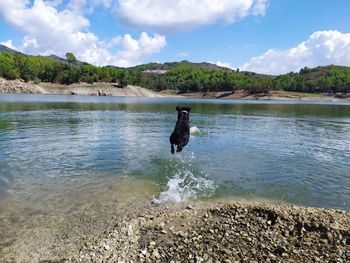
x=52, y=56
x=329, y=79
x=8, y=50
x=180, y=77
x=169, y=65
x=56, y=58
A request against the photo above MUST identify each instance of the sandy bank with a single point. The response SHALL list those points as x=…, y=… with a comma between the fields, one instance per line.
x=17, y=86
x=106, y=89
x=225, y=232
x=98, y=89
x=272, y=95
x=102, y=90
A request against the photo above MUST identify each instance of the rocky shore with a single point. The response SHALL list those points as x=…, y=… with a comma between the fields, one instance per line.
x=276, y=95
x=107, y=89
x=84, y=89
x=225, y=232
x=18, y=86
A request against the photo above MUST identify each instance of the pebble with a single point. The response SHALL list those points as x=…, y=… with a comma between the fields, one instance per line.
x=232, y=232
x=152, y=244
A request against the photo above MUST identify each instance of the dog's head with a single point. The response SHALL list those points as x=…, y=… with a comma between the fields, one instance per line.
x=183, y=111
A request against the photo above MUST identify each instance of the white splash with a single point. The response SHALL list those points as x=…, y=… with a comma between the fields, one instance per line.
x=194, y=130
x=186, y=183
x=176, y=192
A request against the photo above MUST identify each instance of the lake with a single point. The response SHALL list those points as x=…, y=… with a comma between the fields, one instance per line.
x=69, y=157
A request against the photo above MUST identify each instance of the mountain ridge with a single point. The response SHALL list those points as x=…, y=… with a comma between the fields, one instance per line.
x=180, y=76
x=323, y=70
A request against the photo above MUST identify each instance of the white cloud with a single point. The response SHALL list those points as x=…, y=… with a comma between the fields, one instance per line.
x=223, y=64
x=259, y=7
x=50, y=30
x=8, y=44
x=53, y=3
x=79, y=6
x=133, y=49
x=321, y=48
x=169, y=15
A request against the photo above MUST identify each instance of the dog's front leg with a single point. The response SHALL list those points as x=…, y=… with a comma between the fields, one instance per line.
x=172, y=148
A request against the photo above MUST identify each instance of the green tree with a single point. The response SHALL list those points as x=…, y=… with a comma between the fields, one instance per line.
x=71, y=58
x=7, y=66
x=122, y=78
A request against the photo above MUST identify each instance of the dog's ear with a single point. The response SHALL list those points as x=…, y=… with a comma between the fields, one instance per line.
x=177, y=108
x=189, y=109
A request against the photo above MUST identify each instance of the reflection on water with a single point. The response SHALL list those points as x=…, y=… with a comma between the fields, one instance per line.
x=66, y=160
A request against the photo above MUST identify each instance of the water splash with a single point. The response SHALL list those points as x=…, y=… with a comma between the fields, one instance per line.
x=194, y=130
x=184, y=181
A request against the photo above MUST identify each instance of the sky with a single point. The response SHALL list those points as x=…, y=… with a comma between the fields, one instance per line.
x=264, y=36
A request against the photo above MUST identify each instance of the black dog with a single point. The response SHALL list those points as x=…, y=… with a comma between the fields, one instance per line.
x=181, y=133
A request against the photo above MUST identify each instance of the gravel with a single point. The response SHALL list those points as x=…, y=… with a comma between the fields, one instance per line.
x=225, y=232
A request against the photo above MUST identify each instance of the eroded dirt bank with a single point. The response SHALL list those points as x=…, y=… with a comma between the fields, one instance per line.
x=107, y=89
x=98, y=89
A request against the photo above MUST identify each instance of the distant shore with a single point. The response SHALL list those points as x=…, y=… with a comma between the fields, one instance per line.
x=107, y=89
x=84, y=89
x=272, y=95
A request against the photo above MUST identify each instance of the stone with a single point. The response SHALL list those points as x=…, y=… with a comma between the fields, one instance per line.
x=152, y=244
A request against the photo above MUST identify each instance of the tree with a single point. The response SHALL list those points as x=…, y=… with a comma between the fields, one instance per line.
x=122, y=78
x=71, y=58
x=7, y=66
x=50, y=72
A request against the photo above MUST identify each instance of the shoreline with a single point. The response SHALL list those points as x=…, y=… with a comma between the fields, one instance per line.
x=225, y=231
x=107, y=89
x=83, y=89
x=272, y=95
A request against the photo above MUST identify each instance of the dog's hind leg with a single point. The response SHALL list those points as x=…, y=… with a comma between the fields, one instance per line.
x=172, y=148
x=179, y=148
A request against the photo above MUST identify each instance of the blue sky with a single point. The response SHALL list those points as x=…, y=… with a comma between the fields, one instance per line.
x=265, y=36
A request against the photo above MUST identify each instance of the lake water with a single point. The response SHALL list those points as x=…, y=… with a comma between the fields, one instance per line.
x=62, y=157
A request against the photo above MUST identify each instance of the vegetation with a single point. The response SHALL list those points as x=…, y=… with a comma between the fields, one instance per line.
x=188, y=77
x=180, y=77
x=46, y=69
x=330, y=79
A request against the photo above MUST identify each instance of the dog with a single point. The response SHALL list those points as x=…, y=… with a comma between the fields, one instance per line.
x=181, y=133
